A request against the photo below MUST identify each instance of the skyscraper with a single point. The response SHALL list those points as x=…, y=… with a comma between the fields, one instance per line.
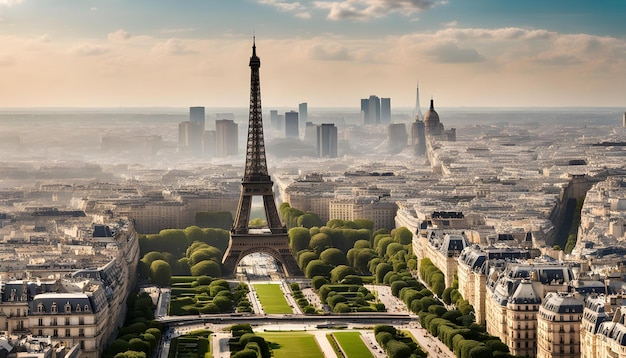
x=291, y=124
x=274, y=120
x=226, y=141
x=385, y=110
x=327, y=140
x=304, y=113
x=190, y=137
x=196, y=116
x=370, y=110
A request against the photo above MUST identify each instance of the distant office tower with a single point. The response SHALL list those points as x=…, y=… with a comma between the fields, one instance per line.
x=304, y=113
x=397, y=137
x=190, y=137
x=291, y=124
x=418, y=137
x=385, y=110
x=310, y=134
x=370, y=110
x=226, y=141
x=274, y=120
x=196, y=115
x=209, y=143
x=327, y=140
x=227, y=115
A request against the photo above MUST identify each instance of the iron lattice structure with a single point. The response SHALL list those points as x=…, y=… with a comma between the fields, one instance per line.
x=256, y=180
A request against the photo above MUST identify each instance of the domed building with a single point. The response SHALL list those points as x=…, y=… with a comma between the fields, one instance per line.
x=431, y=121
x=434, y=128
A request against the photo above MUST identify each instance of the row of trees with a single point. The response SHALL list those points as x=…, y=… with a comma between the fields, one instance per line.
x=395, y=343
x=293, y=217
x=200, y=259
x=433, y=277
x=204, y=295
x=304, y=304
x=245, y=344
x=141, y=334
x=176, y=241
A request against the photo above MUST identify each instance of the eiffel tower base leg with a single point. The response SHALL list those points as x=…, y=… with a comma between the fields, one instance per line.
x=275, y=245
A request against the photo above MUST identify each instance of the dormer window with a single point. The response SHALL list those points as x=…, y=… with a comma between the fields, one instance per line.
x=78, y=308
x=40, y=307
x=54, y=308
x=87, y=308
x=68, y=308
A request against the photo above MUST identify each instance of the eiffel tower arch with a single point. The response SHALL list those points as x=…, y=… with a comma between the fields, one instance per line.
x=256, y=181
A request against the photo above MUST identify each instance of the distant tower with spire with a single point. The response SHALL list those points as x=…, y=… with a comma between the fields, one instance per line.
x=417, y=112
x=418, y=132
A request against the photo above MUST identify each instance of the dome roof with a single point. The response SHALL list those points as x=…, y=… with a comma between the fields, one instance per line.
x=431, y=115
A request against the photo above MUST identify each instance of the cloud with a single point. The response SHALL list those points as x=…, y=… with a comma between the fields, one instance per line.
x=450, y=24
x=453, y=53
x=298, y=9
x=119, y=35
x=329, y=52
x=10, y=2
x=88, y=49
x=174, y=47
x=359, y=10
x=364, y=10
x=179, y=30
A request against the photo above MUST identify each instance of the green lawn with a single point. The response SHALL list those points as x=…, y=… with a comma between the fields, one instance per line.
x=272, y=299
x=293, y=344
x=352, y=344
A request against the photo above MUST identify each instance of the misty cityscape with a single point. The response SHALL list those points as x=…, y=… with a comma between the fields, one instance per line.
x=423, y=179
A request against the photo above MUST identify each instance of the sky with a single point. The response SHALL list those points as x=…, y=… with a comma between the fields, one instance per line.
x=180, y=53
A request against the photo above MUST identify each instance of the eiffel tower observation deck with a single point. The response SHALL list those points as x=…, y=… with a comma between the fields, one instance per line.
x=256, y=182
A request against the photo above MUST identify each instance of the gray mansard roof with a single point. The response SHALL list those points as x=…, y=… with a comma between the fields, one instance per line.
x=68, y=303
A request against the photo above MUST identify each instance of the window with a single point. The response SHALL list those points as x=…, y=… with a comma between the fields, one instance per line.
x=54, y=308
x=39, y=332
x=67, y=332
x=81, y=332
x=77, y=308
x=40, y=307
x=40, y=322
x=68, y=308
x=54, y=321
x=67, y=321
x=55, y=333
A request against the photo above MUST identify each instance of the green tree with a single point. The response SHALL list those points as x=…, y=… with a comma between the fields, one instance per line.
x=299, y=238
x=333, y=256
x=305, y=257
x=319, y=242
x=403, y=236
x=206, y=268
x=381, y=270
x=309, y=220
x=317, y=268
x=205, y=253
x=160, y=272
x=340, y=272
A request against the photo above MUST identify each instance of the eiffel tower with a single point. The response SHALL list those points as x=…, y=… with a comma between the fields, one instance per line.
x=256, y=181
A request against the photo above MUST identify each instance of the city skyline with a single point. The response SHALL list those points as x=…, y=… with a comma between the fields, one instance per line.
x=480, y=53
